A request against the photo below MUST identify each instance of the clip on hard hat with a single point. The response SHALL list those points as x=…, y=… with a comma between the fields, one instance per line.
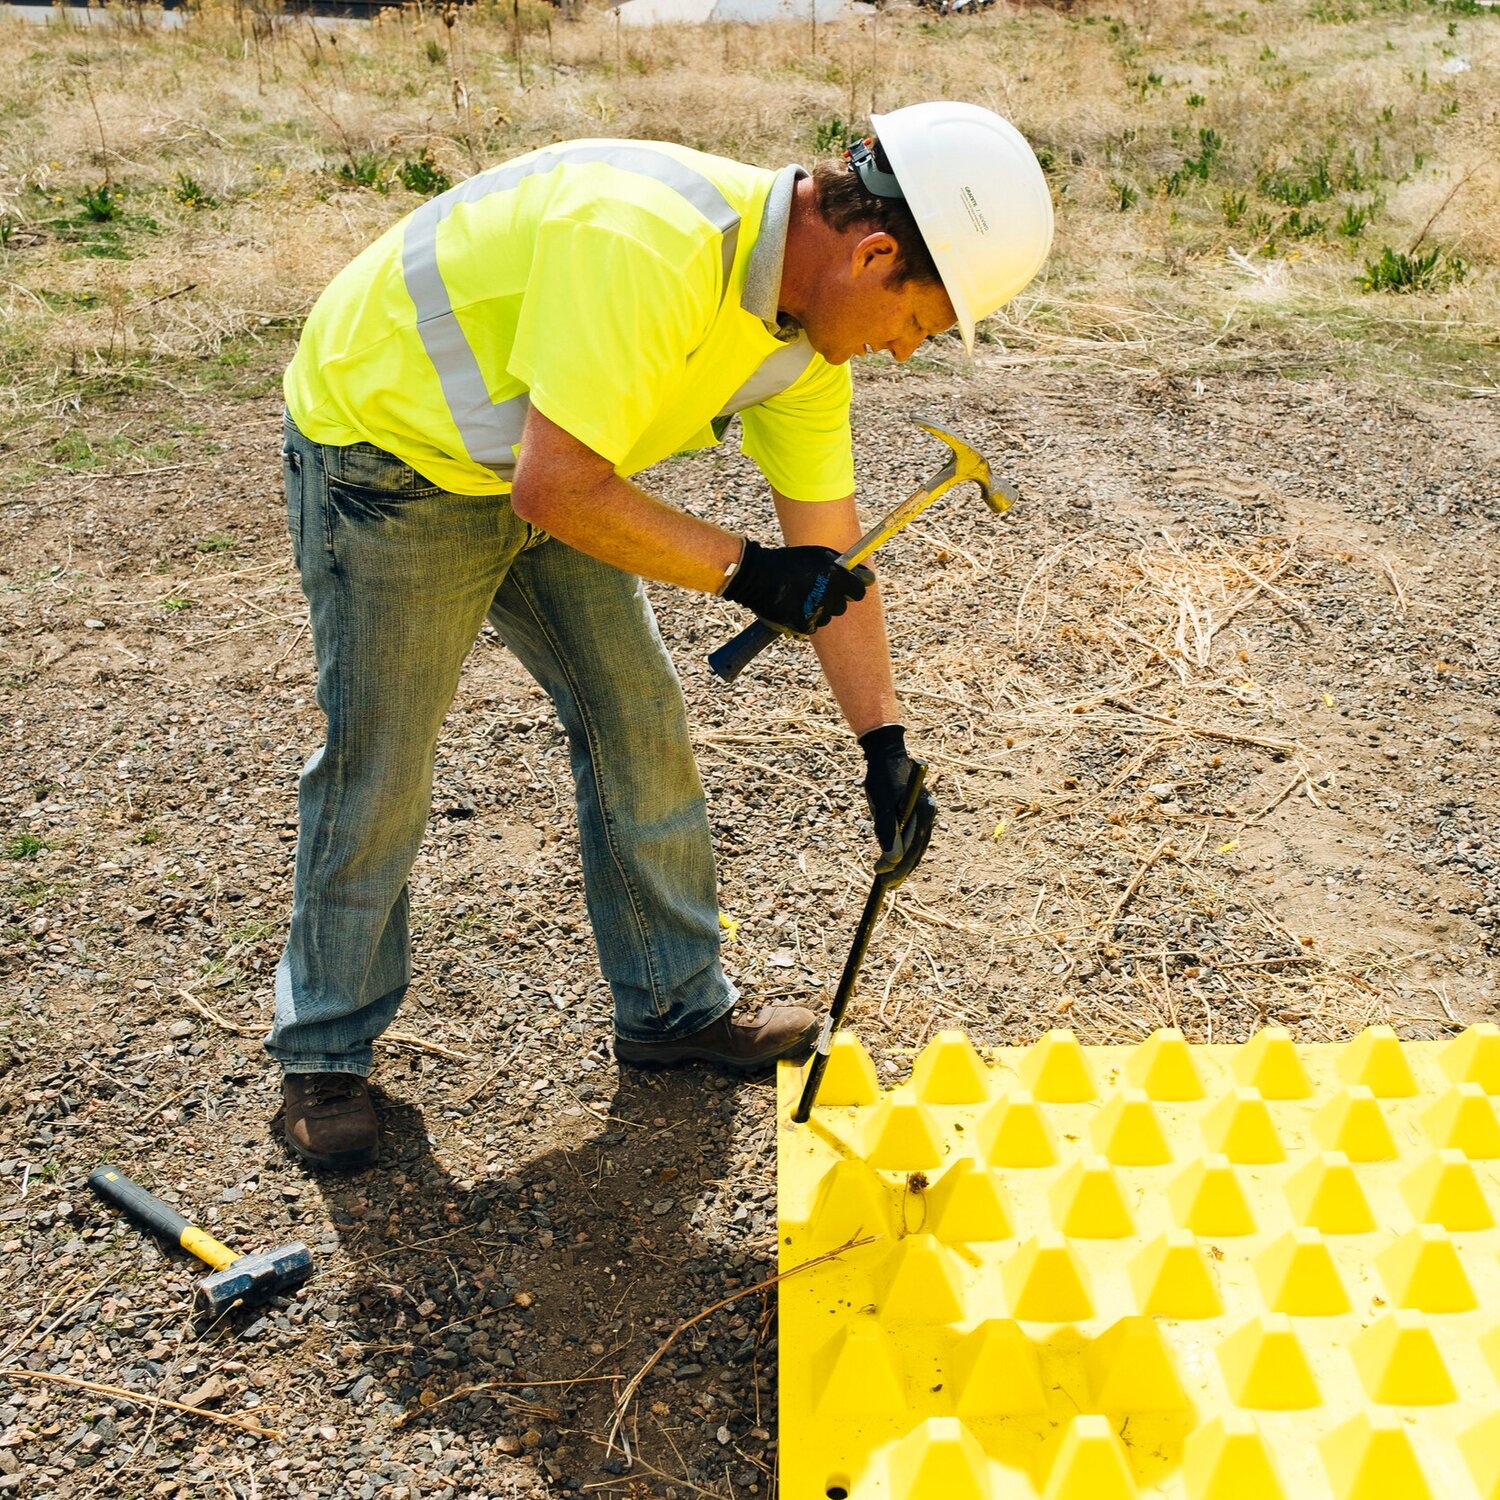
x=861, y=157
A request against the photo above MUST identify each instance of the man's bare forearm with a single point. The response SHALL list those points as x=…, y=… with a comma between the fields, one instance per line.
x=852, y=650
x=575, y=495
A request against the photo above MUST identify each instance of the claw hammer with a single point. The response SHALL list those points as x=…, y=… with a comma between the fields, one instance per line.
x=236, y=1278
x=964, y=464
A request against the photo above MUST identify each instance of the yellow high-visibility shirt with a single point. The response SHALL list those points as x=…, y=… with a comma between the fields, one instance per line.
x=603, y=282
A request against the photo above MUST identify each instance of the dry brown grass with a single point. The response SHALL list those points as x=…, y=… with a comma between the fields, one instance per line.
x=264, y=114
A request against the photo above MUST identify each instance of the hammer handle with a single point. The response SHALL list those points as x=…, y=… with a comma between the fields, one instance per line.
x=737, y=653
x=111, y=1184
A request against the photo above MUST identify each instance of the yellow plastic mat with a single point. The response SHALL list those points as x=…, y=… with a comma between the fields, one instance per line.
x=1258, y=1272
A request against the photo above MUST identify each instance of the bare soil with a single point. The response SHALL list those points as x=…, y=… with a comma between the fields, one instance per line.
x=1212, y=723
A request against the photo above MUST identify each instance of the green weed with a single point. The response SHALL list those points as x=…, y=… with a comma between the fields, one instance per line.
x=363, y=171
x=188, y=190
x=25, y=846
x=1400, y=271
x=423, y=176
x=1126, y=197
x=831, y=136
x=101, y=204
x=215, y=543
x=1233, y=205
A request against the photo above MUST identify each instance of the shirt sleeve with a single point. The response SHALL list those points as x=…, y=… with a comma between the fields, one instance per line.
x=800, y=438
x=606, y=324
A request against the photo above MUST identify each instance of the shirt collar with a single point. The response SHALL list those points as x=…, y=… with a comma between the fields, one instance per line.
x=763, y=272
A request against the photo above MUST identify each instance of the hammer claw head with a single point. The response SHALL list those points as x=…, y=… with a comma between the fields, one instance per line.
x=256, y=1278
x=967, y=464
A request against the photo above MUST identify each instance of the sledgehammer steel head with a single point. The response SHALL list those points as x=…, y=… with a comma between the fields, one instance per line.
x=236, y=1278
x=254, y=1278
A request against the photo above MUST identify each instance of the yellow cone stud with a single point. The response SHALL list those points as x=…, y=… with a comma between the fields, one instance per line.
x=857, y=1372
x=1130, y=1368
x=967, y=1203
x=1087, y=1203
x=1265, y=1367
x=1240, y=1127
x=1353, y=1122
x=1015, y=1133
x=1422, y=1271
x=940, y=1457
x=920, y=1281
x=1129, y=1132
x=1162, y=1066
x=996, y=1372
x=1269, y=1064
x=1399, y=1362
x=851, y=1202
x=850, y=1077
x=1045, y=1283
x=1171, y=1278
x=1228, y=1459
x=902, y=1135
x=949, y=1071
x=1089, y=1463
x=1297, y=1276
x=1370, y=1457
x=1056, y=1071
x=1324, y=1193
x=1445, y=1190
x=1376, y=1059
x=1206, y=1197
x=1464, y=1119
x=1473, y=1056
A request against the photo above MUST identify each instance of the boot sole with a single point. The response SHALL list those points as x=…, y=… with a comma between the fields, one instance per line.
x=334, y=1161
x=669, y=1054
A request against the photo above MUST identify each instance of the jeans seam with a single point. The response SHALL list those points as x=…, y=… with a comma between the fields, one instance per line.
x=642, y=927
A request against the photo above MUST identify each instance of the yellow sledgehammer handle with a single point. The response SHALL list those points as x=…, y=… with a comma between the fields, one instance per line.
x=111, y=1184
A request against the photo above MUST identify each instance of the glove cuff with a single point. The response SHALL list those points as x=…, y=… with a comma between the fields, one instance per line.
x=883, y=741
x=733, y=586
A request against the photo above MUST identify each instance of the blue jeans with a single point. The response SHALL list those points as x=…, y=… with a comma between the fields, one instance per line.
x=400, y=576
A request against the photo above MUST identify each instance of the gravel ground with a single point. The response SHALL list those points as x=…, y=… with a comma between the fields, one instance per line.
x=1212, y=723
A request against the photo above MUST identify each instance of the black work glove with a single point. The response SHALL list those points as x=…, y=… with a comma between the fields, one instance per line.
x=797, y=589
x=902, y=807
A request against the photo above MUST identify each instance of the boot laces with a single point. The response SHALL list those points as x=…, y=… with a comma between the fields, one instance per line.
x=329, y=1088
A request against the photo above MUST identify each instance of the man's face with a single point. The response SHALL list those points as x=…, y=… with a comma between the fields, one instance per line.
x=862, y=308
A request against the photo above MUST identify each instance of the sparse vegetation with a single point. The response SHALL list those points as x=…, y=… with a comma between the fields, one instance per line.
x=1170, y=140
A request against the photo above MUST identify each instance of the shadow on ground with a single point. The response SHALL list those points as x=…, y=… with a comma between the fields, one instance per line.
x=514, y=1308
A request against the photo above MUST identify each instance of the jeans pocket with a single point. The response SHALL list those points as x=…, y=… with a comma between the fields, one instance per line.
x=291, y=478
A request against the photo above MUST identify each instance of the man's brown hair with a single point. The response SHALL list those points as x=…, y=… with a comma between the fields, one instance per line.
x=845, y=203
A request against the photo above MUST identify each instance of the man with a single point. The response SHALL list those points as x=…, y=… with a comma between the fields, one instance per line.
x=465, y=408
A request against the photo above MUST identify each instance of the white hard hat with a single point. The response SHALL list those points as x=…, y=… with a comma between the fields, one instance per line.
x=978, y=195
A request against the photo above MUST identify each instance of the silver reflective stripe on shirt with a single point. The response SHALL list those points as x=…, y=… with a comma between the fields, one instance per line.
x=491, y=430
x=780, y=369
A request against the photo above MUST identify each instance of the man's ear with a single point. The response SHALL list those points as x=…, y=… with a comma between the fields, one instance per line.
x=875, y=252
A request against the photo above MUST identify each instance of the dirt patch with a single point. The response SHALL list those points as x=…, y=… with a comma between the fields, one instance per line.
x=1211, y=718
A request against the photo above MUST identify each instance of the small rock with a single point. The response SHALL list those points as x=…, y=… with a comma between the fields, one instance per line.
x=179, y=1029
x=210, y=1390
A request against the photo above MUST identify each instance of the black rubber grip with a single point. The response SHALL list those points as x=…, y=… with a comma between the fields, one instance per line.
x=735, y=655
x=111, y=1184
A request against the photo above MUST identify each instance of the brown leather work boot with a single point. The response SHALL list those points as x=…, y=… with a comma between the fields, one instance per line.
x=330, y=1121
x=778, y=1031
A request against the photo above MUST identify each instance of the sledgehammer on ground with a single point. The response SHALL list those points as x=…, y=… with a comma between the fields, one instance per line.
x=236, y=1278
